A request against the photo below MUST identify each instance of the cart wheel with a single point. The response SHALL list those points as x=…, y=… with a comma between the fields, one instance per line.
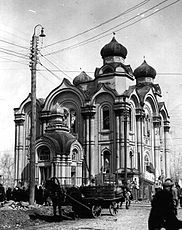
x=113, y=208
x=96, y=210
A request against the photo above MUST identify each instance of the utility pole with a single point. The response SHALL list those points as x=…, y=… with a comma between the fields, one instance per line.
x=125, y=142
x=33, y=66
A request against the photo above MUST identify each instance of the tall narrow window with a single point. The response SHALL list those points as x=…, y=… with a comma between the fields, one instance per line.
x=130, y=120
x=74, y=154
x=73, y=121
x=107, y=163
x=146, y=162
x=106, y=120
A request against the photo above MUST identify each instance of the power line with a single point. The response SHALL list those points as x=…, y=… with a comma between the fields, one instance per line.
x=68, y=71
x=77, y=71
x=124, y=27
x=85, y=42
x=13, y=54
x=12, y=60
x=46, y=78
x=25, y=55
x=10, y=43
x=103, y=23
x=55, y=66
x=50, y=71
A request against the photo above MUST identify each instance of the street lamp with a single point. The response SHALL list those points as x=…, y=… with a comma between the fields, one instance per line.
x=33, y=65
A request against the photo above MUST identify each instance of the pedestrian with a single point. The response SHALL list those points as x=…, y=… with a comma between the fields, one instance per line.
x=162, y=213
x=9, y=194
x=40, y=198
x=180, y=197
x=175, y=196
x=2, y=193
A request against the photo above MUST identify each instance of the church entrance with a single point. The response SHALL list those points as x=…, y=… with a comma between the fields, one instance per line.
x=45, y=173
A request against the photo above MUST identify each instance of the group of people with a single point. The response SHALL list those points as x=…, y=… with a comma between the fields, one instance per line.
x=164, y=204
x=22, y=194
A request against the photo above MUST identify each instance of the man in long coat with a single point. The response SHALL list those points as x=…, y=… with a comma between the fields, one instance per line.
x=2, y=193
x=162, y=213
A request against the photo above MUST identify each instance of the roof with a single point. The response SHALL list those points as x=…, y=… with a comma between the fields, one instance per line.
x=61, y=140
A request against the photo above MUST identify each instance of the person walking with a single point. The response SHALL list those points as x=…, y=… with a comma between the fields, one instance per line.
x=2, y=194
x=163, y=212
x=175, y=192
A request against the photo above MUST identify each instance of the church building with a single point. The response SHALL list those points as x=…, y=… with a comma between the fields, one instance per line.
x=114, y=123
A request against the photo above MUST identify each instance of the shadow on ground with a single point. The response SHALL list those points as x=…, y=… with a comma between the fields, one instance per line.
x=48, y=218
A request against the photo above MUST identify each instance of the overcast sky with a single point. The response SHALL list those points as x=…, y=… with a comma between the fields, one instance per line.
x=76, y=30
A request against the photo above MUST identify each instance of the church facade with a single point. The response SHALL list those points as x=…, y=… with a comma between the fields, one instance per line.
x=115, y=123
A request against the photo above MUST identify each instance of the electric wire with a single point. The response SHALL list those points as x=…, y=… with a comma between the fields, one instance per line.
x=55, y=66
x=85, y=42
x=10, y=43
x=25, y=55
x=13, y=54
x=101, y=24
x=50, y=71
x=77, y=71
x=46, y=78
x=13, y=60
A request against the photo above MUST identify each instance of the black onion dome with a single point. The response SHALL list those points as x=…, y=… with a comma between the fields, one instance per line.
x=144, y=70
x=81, y=78
x=113, y=49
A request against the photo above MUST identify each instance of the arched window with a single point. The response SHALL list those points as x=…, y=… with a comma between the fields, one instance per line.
x=147, y=125
x=106, y=117
x=146, y=162
x=130, y=120
x=73, y=121
x=74, y=154
x=107, y=163
x=43, y=153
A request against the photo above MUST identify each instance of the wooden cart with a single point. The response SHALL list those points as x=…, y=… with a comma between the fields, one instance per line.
x=107, y=196
x=81, y=205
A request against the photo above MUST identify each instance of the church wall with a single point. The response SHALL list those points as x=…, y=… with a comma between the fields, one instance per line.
x=104, y=138
x=145, y=138
x=72, y=101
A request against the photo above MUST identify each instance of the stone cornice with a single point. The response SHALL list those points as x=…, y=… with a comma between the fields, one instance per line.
x=166, y=126
x=156, y=121
x=140, y=113
x=122, y=108
x=19, y=118
x=88, y=111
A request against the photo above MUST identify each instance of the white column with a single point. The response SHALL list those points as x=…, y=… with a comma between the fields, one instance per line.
x=167, y=148
x=157, y=160
x=118, y=159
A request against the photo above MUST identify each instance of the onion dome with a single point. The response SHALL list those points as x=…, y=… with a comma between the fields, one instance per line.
x=144, y=70
x=81, y=78
x=113, y=49
x=58, y=118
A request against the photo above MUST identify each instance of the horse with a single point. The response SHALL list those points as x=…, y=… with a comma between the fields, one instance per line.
x=125, y=195
x=56, y=193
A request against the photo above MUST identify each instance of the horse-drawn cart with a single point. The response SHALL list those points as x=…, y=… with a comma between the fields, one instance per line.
x=107, y=196
x=86, y=201
x=81, y=205
x=90, y=200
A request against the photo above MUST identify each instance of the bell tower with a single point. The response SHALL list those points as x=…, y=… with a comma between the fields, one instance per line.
x=114, y=72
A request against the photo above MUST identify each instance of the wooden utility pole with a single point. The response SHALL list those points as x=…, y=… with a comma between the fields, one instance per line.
x=33, y=66
x=125, y=145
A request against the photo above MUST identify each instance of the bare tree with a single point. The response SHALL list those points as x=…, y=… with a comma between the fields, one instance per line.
x=7, y=170
x=176, y=169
